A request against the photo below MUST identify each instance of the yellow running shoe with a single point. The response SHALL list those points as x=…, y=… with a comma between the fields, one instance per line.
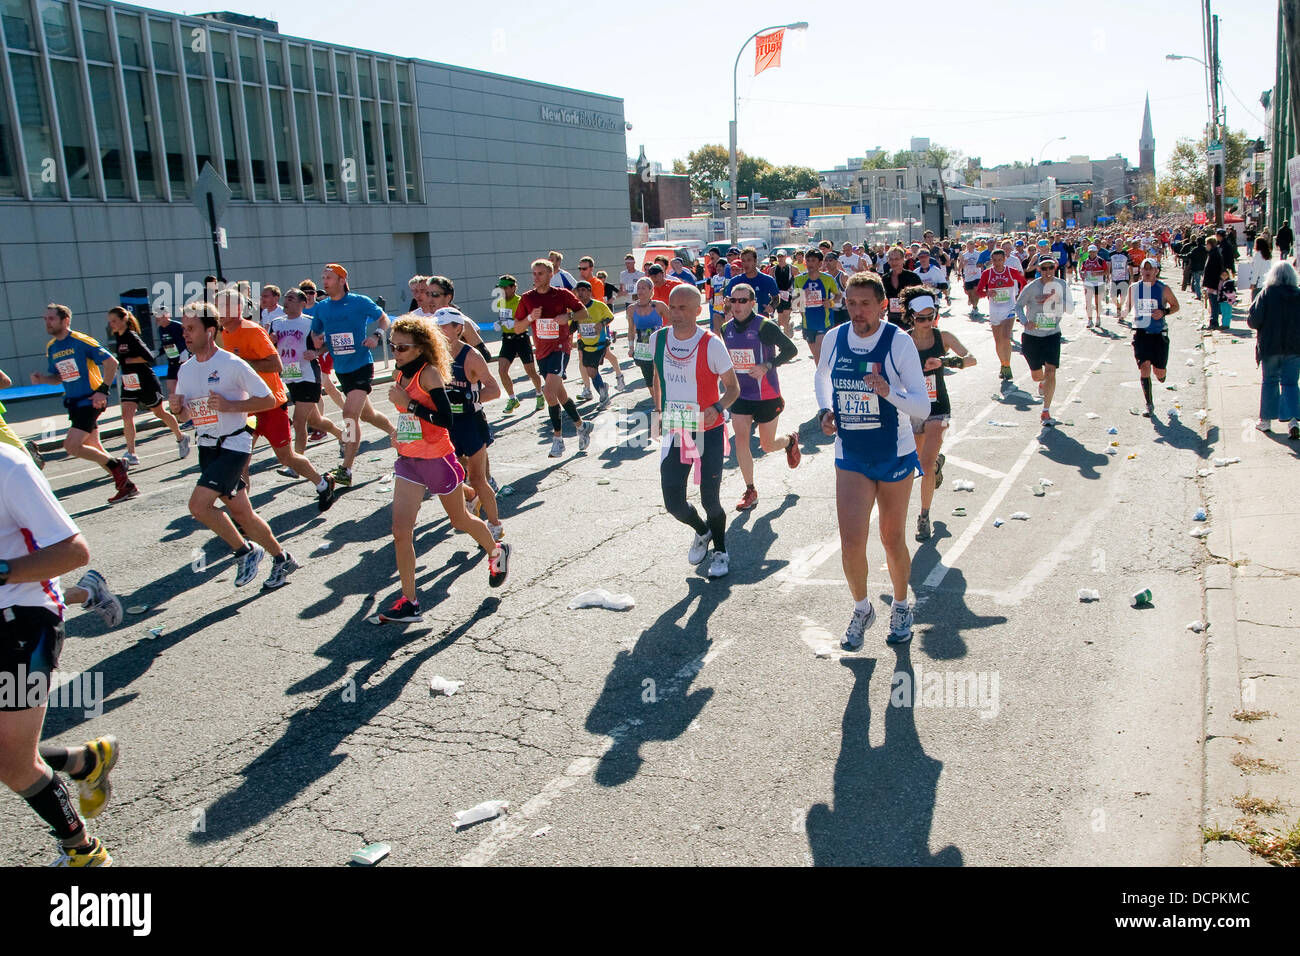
x=95, y=789
x=541, y=402
x=93, y=855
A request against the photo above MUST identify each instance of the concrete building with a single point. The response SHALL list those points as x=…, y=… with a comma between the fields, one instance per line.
x=393, y=166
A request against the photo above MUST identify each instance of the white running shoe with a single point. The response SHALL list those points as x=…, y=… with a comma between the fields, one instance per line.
x=102, y=600
x=129, y=459
x=858, y=625
x=557, y=448
x=248, y=564
x=584, y=435
x=699, y=547
x=720, y=565
x=183, y=447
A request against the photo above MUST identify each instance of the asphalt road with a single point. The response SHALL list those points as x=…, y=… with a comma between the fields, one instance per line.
x=700, y=726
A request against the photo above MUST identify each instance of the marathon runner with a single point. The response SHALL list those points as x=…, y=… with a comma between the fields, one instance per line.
x=869, y=385
x=933, y=276
x=1119, y=276
x=551, y=313
x=39, y=542
x=9, y=437
x=1041, y=305
x=301, y=374
x=838, y=314
x=688, y=362
x=426, y=459
x=645, y=316
x=815, y=291
x=1151, y=302
x=627, y=279
x=219, y=390
x=757, y=346
x=342, y=321
x=895, y=280
x=172, y=341
x=593, y=337
x=140, y=385
x=932, y=347
x=324, y=359
x=970, y=273
x=1093, y=273
x=514, y=345
x=783, y=274
x=75, y=360
x=764, y=286
x=1001, y=285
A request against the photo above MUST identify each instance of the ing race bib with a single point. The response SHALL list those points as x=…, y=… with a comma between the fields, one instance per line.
x=341, y=343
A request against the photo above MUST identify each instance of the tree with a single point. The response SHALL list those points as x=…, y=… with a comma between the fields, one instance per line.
x=713, y=161
x=1188, y=167
x=879, y=161
x=679, y=168
x=785, y=182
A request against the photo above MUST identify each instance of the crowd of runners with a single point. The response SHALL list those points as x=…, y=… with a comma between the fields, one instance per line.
x=708, y=346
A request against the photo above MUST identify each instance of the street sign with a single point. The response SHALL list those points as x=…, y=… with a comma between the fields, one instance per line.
x=211, y=184
x=863, y=209
x=741, y=204
x=1070, y=224
x=1216, y=154
x=799, y=217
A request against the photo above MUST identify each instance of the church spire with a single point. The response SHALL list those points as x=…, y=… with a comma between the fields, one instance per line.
x=1147, y=144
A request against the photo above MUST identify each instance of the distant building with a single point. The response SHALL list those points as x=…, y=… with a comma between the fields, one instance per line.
x=1147, y=145
x=920, y=144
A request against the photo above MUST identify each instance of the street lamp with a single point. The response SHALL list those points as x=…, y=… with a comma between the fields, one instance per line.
x=1212, y=107
x=735, y=112
x=1038, y=170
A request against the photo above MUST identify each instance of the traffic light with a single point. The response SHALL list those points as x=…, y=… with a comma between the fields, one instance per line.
x=1087, y=195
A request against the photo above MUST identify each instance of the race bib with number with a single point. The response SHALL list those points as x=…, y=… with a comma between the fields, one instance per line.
x=291, y=372
x=548, y=328
x=932, y=386
x=457, y=408
x=1142, y=313
x=684, y=415
x=1046, y=321
x=813, y=296
x=785, y=296
x=1002, y=296
x=742, y=359
x=507, y=319
x=858, y=411
x=68, y=370
x=171, y=351
x=201, y=412
x=408, y=428
x=130, y=382
x=587, y=329
x=341, y=343
x=895, y=305
x=643, y=352
x=719, y=303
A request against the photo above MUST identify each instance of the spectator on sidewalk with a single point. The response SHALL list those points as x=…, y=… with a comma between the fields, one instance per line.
x=1275, y=314
x=1285, y=239
x=1260, y=263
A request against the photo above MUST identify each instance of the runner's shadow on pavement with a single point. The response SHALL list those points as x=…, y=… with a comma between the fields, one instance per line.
x=750, y=563
x=1064, y=450
x=647, y=693
x=1280, y=438
x=305, y=752
x=885, y=795
x=1177, y=435
x=945, y=616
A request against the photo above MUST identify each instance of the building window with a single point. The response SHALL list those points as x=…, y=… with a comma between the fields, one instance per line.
x=58, y=31
x=352, y=167
x=280, y=140
x=257, y=151
x=298, y=68
x=410, y=150
x=219, y=40
x=320, y=60
x=94, y=34
x=226, y=116
x=274, y=63
x=329, y=151
x=147, y=172
x=370, y=141
x=202, y=126
x=303, y=119
x=75, y=138
x=36, y=125
x=343, y=70
x=130, y=42
x=18, y=25
x=112, y=159
x=388, y=111
x=164, y=46
x=169, y=105
x=250, y=64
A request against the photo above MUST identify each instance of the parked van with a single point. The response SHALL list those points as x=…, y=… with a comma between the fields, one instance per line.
x=760, y=246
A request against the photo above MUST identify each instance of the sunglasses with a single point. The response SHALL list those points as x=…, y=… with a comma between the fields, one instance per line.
x=922, y=317
x=399, y=348
x=736, y=301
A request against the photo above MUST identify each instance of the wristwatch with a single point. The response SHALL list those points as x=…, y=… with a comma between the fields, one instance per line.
x=4, y=572
x=717, y=407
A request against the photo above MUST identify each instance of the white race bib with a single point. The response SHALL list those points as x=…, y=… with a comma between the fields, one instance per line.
x=291, y=372
x=408, y=428
x=785, y=296
x=643, y=351
x=858, y=411
x=201, y=412
x=341, y=343
x=895, y=305
x=130, y=382
x=813, y=295
x=587, y=330
x=548, y=328
x=68, y=370
x=1142, y=313
x=171, y=351
x=1002, y=296
x=684, y=415
x=742, y=359
x=932, y=386
x=507, y=319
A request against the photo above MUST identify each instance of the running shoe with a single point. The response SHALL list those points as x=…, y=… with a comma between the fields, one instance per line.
x=720, y=565
x=92, y=854
x=747, y=500
x=342, y=477
x=187, y=426
x=125, y=492
x=511, y=404
x=604, y=394
x=541, y=402
x=94, y=789
x=699, y=547
x=1151, y=410
x=498, y=531
x=129, y=458
x=622, y=382
x=1006, y=373
x=938, y=470
x=499, y=566
x=287, y=471
x=35, y=453
x=1294, y=433
x=584, y=435
x=183, y=447
x=1264, y=426
x=1046, y=419
x=403, y=611
x=584, y=395
x=281, y=568
x=492, y=483
x=102, y=601
x=793, y=453
x=557, y=448
x=246, y=568
x=315, y=435
x=858, y=625
x=326, y=498
x=922, y=527
x=900, y=625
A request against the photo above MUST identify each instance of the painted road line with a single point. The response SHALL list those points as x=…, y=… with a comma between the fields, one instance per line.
x=972, y=466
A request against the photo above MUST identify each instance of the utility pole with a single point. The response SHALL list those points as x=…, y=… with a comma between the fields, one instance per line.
x=1291, y=29
x=1220, y=130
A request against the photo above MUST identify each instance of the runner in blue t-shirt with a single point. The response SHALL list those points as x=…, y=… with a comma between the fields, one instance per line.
x=765, y=290
x=85, y=369
x=341, y=321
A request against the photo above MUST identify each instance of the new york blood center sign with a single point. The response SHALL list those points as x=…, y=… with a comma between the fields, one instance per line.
x=587, y=118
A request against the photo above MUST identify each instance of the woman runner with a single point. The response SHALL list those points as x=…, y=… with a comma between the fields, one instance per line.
x=140, y=385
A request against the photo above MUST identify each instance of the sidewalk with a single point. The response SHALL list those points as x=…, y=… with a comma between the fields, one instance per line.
x=1252, y=604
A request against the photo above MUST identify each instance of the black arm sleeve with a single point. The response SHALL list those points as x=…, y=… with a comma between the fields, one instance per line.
x=483, y=351
x=137, y=347
x=770, y=334
x=439, y=415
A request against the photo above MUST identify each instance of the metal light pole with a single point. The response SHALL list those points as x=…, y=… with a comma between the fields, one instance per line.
x=735, y=112
x=1210, y=127
x=1038, y=171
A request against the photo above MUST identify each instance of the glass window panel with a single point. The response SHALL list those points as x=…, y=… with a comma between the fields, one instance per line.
x=298, y=67
x=385, y=80
x=365, y=84
x=194, y=49
x=329, y=155
x=303, y=119
x=8, y=156
x=164, y=45
x=141, y=116
x=321, y=65
x=220, y=42
x=257, y=150
x=18, y=24
x=390, y=154
x=370, y=142
x=353, y=167
x=343, y=70
x=229, y=142
x=403, y=87
x=58, y=29
x=72, y=127
x=280, y=139
x=274, y=63
x=37, y=129
x=103, y=96
x=129, y=39
x=410, y=143
x=94, y=34
x=169, y=105
x=202, y=126
x=250, y=65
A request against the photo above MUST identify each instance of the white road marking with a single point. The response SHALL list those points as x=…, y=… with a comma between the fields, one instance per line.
x=972, y=466
x=804, y=562
x=950, y=558
x=513, y=825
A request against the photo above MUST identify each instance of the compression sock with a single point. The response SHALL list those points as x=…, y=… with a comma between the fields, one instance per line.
x=554, y=412
x=50, y=798
x=572, y=410
x=1146, y=390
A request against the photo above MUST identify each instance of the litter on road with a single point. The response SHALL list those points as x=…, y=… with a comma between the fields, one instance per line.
x=959, y=512
x=137, y=609
x=370, y=854
x=442, y=687
x=1004, y=424
x=599, y=597
x=961, y=484
x=1088, y=595
x=487, y=810
x=998, y=522
x=1142, y=598
x=1197, y=626
x=1019, y=516
x=1200, y=515
x=1093, y=415
x=1112, y=430
x=1200, y=532
x=1225, y=462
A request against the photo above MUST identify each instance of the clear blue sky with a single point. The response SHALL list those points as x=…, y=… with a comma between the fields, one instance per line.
x=999, y=80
